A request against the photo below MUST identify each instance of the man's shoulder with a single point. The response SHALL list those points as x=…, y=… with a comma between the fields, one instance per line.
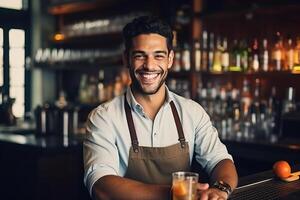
x=110, y=107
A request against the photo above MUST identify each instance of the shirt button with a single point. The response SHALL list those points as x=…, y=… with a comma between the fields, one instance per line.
x=155, y=134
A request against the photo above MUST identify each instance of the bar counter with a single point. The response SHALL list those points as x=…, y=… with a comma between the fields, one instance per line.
x=41, y=168
x=51, y=167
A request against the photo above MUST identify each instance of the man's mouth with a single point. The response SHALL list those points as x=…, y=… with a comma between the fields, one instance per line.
x=148, y=77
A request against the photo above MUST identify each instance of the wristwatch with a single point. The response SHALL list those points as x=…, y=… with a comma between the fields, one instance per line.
x=221, y=185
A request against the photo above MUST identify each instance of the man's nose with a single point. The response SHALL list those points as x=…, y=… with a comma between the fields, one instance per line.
x=150, y=62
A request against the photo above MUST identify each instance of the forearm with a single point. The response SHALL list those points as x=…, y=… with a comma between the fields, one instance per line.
x=225, y=171
x=114, y=187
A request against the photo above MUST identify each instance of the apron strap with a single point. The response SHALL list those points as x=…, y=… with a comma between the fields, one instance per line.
x=178, y=124
x=134, y=140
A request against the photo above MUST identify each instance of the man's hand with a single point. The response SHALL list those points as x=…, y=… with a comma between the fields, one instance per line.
x=206, y=193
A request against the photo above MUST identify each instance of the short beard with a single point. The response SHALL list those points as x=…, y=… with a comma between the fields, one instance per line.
x=137, y=86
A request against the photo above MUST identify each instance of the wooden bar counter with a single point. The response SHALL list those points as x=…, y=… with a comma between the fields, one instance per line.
x=51, y=168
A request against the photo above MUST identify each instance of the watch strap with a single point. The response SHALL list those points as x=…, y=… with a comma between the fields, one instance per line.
x=221, y=185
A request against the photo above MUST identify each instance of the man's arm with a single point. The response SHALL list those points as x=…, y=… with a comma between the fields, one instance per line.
x=112, y=187
x=225, y=171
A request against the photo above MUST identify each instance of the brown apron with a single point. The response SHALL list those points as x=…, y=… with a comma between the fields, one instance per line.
x=155, y=165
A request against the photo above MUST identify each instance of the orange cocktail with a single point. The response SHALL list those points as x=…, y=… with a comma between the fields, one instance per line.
x=184, y=185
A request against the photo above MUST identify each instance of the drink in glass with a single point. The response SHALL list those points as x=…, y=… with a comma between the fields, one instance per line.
x=184, y=185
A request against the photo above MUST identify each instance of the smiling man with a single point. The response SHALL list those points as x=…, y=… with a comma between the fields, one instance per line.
x=131, y=147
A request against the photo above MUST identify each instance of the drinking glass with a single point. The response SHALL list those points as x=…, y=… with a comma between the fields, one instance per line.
x=184, y=185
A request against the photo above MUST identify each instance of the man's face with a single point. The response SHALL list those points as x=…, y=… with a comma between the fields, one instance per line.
x=149, y=61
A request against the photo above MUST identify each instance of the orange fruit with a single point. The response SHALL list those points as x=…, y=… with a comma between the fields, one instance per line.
x=179, y=188
x=282, y=169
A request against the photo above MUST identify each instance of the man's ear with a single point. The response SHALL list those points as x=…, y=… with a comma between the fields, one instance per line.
x=171, y=59
x=125, y=59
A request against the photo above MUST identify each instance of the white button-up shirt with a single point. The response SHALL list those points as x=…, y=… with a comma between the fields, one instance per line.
x=107, y=143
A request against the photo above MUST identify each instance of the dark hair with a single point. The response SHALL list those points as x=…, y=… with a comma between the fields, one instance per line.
x=147, y=25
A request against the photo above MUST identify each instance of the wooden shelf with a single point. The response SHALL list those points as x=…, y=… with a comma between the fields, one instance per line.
x=255, y=10
x=96, y=40
x=258, y=74
x=82, y=65
x=75, y=7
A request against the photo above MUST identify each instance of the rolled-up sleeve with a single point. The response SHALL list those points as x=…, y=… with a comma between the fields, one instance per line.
x=100, y=154
x=208, y=147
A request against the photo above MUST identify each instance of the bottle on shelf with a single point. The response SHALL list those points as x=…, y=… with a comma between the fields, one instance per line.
x=197, y=56
x=244, y=54
x=235, y=57
x=204, y=51
x=278, y=53
x=211, y=51
x=254, y=56
x=225, y=56
x=264, y=56
x=289, y=64
x=100, y=86
x=217, y=68
x=186, y=57
x=177, y=54
x=296, y=67
x=289, y=103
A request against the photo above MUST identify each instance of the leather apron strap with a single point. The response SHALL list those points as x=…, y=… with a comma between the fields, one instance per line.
x=133, y=136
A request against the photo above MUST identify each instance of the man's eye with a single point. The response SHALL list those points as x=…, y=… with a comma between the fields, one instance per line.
x=138, y=56
x=160, y=57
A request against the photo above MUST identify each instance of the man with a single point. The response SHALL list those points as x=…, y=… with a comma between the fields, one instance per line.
x=132, y=148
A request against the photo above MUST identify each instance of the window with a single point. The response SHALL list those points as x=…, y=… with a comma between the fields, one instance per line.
x=17, y=69
x=13, y=51
x=1, y=62
x=12, y=4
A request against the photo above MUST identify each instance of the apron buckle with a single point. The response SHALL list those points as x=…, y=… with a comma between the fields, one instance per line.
x=136, y=150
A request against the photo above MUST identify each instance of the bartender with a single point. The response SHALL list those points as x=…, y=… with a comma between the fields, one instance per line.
x=138, y=139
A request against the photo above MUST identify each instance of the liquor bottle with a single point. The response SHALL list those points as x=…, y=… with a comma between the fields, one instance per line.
x=197, y=56
x=289, y=104
x=177, y=54
x=254, y=61
x=296, y=68
x=211, y=51
x=235, y=57
x=264, y=56
x=246, y=96
x=273, y=112
x=278, y=53
x=100, y=87
x=225, y=56
x=204, y=51
x=186, y=57
x=244, y=53
x=289, y=64
x=217, y=68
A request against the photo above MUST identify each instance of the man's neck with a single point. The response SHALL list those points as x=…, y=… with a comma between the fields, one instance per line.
x=151, y=103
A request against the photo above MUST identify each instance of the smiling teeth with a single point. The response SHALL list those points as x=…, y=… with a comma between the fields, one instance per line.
x=149, y=76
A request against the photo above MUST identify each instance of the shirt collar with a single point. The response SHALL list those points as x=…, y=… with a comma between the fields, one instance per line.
x=138, y=107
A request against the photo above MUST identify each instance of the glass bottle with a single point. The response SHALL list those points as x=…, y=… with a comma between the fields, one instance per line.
x=264, y=56
x=217, y=57
x=211, y=51
x=186, y=57
x=204, y=51
x=177, y=54
x=254, y=65
x=235, y=57
x=197, y=56
x=278, y=53
x=289, y=64
x=225, y=56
